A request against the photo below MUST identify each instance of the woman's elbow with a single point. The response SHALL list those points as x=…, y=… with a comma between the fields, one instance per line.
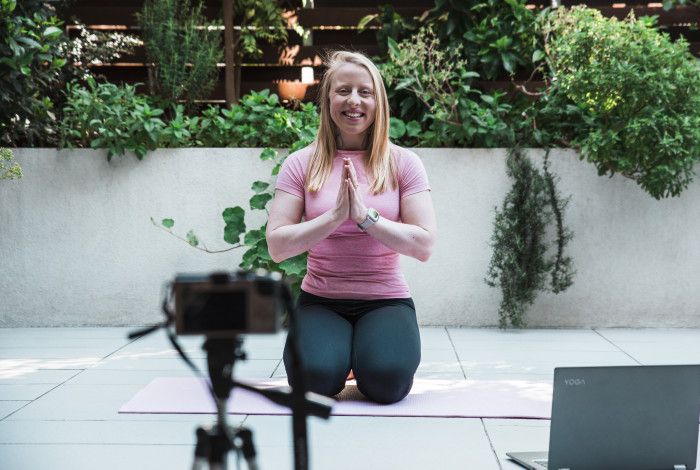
x=272, y=249
x=426, y=249
x=424, y=255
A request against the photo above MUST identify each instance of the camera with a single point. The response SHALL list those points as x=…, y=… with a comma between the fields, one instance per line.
x=226, y=304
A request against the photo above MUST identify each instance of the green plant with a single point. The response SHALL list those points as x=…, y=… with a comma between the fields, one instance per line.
x=258, y=120
x=108, y=116
x=638, y=93
x=183, y=48
x=10, y=170
x=455, y=113
x=285, y=128
x=497, y=35
x=256, y=255
x=30, y=67
x=520, y=263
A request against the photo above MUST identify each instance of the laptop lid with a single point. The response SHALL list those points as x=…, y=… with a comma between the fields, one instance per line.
x=626, y=418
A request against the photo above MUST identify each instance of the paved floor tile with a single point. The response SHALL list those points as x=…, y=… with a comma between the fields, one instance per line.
x=377, y=443
x=91, y=353
x=104, y=457
x=517, y=435
x=35, y=376
x=155, y=432
x=9, y=407
x=645, y=335
x=26, y=392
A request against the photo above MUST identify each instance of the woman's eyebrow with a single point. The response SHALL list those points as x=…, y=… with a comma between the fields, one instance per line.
x=349, y=85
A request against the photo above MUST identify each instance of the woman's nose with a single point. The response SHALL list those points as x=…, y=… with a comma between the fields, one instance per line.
x=354, y=97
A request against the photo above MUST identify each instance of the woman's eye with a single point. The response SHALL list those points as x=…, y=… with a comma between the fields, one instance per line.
x=366, y=92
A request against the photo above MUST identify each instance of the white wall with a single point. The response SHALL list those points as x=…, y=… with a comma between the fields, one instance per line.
x=77, y=246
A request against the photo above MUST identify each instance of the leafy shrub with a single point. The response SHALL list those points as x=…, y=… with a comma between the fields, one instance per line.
x=258, y=120
x=639, y=96
x=522, y=256
x=456, y=114
x=183, y=54
x=109, y=116
x=10, y=170
x=30, y=67
x=497, y=35
x=104, y=115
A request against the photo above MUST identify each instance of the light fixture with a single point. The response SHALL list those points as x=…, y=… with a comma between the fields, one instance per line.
x=307, y=75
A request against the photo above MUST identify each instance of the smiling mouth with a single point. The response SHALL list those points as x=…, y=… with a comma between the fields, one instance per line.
x=353, y=115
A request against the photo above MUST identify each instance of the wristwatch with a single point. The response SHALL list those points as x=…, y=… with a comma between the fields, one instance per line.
x=371, y=219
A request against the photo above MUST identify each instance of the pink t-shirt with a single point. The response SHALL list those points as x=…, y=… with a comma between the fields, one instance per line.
x=349, y=263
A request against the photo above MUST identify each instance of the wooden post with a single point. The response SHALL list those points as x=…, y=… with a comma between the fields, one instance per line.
x=229, y=77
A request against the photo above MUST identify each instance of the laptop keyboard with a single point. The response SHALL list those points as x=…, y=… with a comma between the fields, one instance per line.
x=541, y=462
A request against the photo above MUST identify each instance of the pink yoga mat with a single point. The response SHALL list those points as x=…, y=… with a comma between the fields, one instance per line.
x=428, y=398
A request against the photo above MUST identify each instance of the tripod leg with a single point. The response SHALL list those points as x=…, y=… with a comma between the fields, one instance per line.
x=245, y=436
x=202, y=450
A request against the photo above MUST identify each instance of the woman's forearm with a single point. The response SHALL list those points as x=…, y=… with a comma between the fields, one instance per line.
x=406, y=239
x=290, y=240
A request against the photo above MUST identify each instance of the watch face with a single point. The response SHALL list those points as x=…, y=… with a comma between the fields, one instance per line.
x=373, y=214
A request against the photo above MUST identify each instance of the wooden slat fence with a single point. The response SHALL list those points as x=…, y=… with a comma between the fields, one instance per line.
x=333, y=25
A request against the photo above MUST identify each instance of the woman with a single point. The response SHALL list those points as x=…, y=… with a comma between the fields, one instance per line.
x=364, y=201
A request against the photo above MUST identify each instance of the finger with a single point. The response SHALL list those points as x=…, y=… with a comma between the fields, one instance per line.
x=353, y=174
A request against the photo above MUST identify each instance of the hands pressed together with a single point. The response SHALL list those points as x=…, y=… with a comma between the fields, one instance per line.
x=349, y=203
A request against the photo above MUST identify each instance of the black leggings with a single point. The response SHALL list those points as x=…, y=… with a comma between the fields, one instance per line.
x=377, y=339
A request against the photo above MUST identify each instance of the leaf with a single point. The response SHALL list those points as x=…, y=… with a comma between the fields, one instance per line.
x=537, y=55
x=167, y=223
x=295, y=266
x=413, y=129
x=393, y=47
x=252, y=237
x=259, y=186
x=268, y=154
x=487, y=99
x=259, y=201
x=397, y=129
x=52, y=32
x=192, y=238
x=406, y=82
x=234, y=218
x=508, y=62
x=366, y=20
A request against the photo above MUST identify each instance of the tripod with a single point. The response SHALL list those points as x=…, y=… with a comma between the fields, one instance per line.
x=214, y=443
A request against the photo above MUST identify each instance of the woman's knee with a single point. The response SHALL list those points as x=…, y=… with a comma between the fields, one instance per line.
x=384, y=383
x=319, y=376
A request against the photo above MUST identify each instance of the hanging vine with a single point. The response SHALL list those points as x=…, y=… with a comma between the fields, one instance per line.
x=522, y=257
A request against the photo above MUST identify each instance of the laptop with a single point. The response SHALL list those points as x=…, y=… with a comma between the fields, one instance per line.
x=622, y=418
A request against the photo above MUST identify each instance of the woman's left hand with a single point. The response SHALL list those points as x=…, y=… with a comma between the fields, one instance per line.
x=358, y=210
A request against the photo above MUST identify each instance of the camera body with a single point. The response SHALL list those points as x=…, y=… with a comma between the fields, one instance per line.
x=225, y=305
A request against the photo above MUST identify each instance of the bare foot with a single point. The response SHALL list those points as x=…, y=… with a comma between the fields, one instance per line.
x=351, y=376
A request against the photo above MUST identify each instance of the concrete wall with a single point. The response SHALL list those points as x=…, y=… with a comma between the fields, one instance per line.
x=77, y=246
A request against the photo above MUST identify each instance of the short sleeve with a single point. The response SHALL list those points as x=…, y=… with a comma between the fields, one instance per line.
x=291, y=176
x=412, y=175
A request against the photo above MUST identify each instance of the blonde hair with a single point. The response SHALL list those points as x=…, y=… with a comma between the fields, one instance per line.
x=380, y=164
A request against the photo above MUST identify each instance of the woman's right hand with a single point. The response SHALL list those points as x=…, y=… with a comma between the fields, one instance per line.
x=341, y=211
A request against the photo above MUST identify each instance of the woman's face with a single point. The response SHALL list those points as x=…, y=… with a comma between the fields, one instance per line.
x=352, y=104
